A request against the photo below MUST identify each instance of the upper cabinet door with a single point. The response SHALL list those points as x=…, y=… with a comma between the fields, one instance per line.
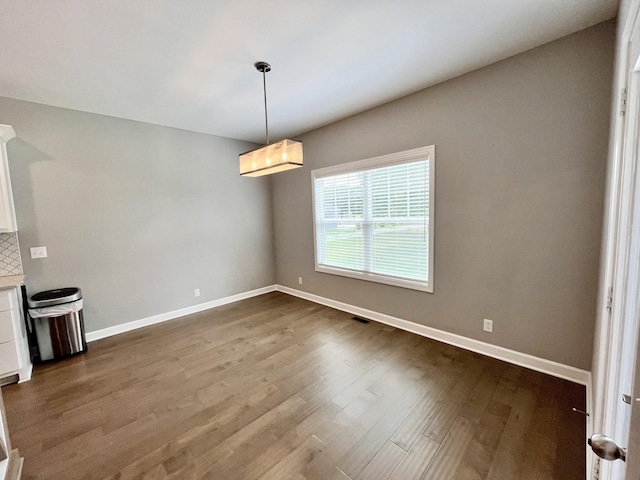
x=7, y=210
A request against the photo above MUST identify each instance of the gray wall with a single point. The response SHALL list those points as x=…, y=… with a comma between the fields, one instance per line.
x=521, y=149
x=137, y=215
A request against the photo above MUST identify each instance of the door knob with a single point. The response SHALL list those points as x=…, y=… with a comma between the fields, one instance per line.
x=606, y=448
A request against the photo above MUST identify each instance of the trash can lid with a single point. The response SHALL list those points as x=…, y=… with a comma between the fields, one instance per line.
x=54, y=297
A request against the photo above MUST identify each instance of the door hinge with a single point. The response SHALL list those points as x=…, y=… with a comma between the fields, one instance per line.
x=623, y=101
x=609, y=299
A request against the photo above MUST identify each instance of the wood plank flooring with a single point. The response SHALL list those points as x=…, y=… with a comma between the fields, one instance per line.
x=275, y=387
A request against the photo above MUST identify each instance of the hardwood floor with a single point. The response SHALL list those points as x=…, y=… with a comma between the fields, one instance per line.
x=275, y=387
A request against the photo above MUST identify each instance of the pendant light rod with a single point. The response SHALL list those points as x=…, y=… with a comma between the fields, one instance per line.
x=264, y=67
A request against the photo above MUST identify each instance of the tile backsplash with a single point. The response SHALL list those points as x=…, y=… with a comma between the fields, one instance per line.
x=10, y=262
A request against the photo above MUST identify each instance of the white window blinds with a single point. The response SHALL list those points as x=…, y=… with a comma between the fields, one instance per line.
x=373, y=219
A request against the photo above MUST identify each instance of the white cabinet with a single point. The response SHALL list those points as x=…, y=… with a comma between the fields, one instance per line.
x=7, y=210
x=14, y=346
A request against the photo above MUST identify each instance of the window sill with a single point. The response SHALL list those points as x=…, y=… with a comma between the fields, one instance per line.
x=372, y=277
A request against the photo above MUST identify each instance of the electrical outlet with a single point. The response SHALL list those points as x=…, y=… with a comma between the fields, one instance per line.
x=488, y=325
x=38, y=252
x=299, y=280
x=196, y=292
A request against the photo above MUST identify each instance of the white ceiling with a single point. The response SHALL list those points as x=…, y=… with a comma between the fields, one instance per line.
x=189, y=63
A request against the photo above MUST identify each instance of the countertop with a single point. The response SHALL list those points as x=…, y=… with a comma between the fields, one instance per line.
x=11, y=281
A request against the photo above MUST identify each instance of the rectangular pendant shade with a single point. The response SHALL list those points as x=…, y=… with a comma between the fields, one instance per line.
x=277, y=157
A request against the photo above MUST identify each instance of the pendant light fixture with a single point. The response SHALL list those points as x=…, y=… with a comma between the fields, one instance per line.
x=272, y=158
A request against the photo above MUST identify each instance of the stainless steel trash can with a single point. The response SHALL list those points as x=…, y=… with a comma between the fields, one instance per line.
x=57, y=320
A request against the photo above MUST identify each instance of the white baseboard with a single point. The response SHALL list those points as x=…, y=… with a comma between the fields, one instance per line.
x=556, y=369
x=538, y=364
x=163, y=317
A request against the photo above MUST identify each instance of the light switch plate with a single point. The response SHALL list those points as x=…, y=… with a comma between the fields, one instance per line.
x=38, y=252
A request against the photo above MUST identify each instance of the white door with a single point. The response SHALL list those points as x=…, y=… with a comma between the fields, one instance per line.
x=618, y=335
x=633, y=454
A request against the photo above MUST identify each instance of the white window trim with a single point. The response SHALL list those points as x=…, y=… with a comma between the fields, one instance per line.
x=398, y=158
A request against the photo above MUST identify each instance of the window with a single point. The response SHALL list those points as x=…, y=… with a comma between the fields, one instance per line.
x=373, y=219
